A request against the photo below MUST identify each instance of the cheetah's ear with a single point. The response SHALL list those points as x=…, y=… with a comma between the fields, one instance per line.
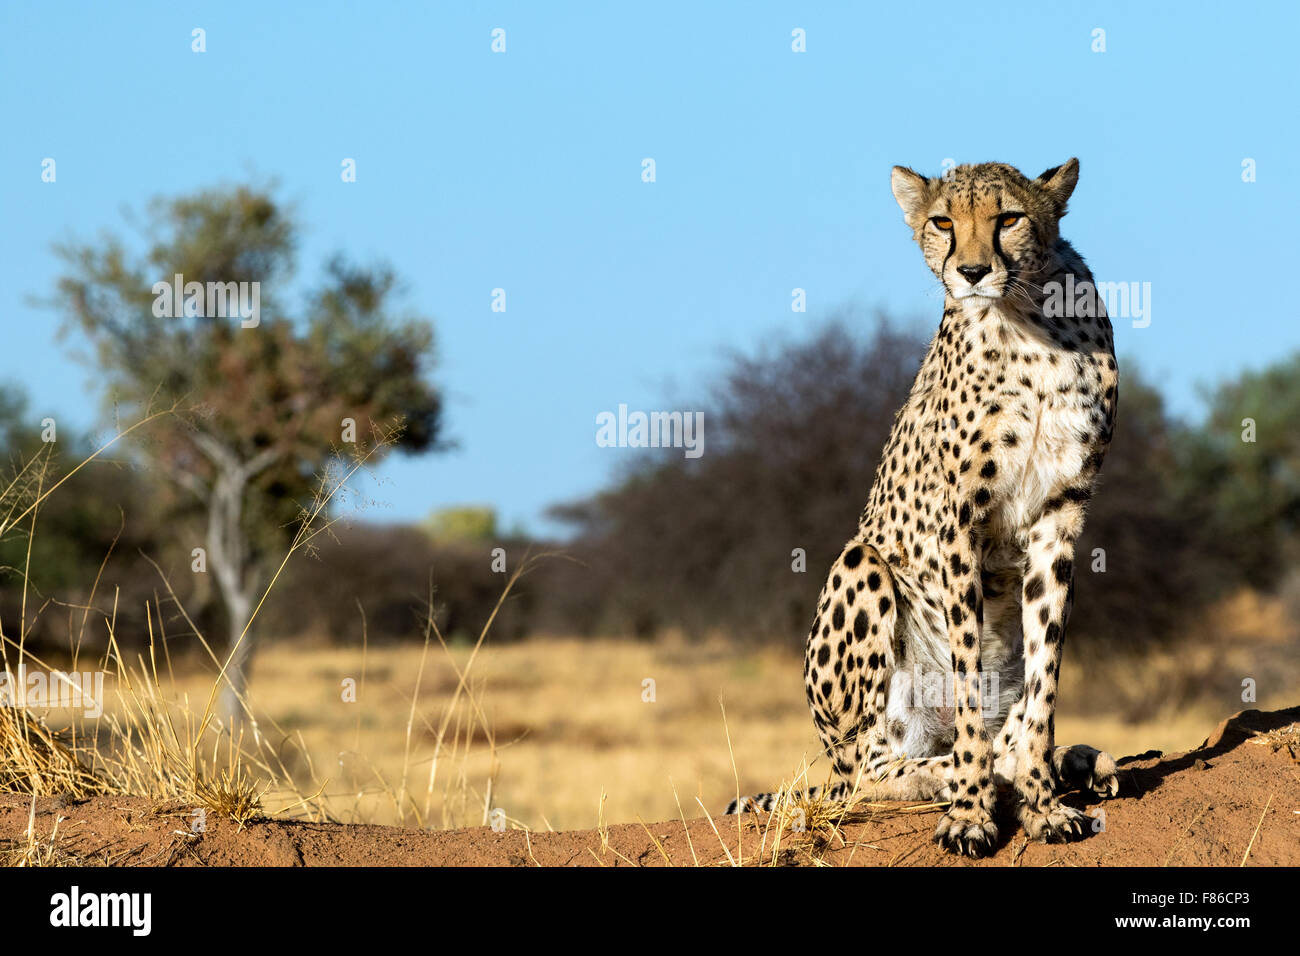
x=1059, y=182
x=912, y=190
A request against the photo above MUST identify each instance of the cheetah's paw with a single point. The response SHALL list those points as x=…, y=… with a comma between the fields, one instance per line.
x=1057, y=824
x=1086, y=768
x=974, y=837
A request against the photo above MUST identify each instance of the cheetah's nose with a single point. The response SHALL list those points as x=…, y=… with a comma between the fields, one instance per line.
x=973, y=274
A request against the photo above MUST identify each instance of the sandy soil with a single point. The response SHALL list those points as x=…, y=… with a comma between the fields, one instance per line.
x=1205, y=807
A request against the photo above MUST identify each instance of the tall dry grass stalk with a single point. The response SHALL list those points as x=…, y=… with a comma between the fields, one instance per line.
x=153, y=741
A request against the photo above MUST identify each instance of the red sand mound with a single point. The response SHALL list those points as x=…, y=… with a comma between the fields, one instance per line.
x=1235, y=797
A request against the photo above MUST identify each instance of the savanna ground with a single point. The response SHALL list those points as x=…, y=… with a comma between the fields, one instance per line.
x=561, y=734
x=569, y=723
x=1232, y=801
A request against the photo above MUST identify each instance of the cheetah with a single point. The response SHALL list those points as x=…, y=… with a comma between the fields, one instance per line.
x=931, y=668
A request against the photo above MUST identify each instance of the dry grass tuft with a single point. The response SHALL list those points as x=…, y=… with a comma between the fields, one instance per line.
x=804, y=825
x=231, y=794
x=38, y=760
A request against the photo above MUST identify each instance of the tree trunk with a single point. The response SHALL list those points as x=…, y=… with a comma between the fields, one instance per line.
x=228, y=558
x=230, y=707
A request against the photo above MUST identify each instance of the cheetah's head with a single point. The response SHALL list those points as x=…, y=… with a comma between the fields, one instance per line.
x=985, y=230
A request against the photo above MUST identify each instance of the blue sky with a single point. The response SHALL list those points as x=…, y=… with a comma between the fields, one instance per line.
x=522, y=171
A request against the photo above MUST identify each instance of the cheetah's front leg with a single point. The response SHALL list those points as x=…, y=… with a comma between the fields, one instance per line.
x=968, y=825
x=1048, y=592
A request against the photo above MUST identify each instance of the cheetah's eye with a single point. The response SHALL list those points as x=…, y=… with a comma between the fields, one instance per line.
x=942, y=222
x=1010, y=219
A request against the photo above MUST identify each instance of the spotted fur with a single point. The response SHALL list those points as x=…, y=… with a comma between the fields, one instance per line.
x=962, y=567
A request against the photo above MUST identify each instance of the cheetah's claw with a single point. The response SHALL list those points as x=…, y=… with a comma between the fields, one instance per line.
x=967, y=837
x=1059, y=824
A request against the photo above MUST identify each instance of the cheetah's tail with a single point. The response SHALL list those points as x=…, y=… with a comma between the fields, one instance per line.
x=766, y=801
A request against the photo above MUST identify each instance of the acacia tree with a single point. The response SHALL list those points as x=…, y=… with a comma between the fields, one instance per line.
x=265, y=396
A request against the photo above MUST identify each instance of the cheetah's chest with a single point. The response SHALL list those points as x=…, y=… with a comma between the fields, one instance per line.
x=1045, y=422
